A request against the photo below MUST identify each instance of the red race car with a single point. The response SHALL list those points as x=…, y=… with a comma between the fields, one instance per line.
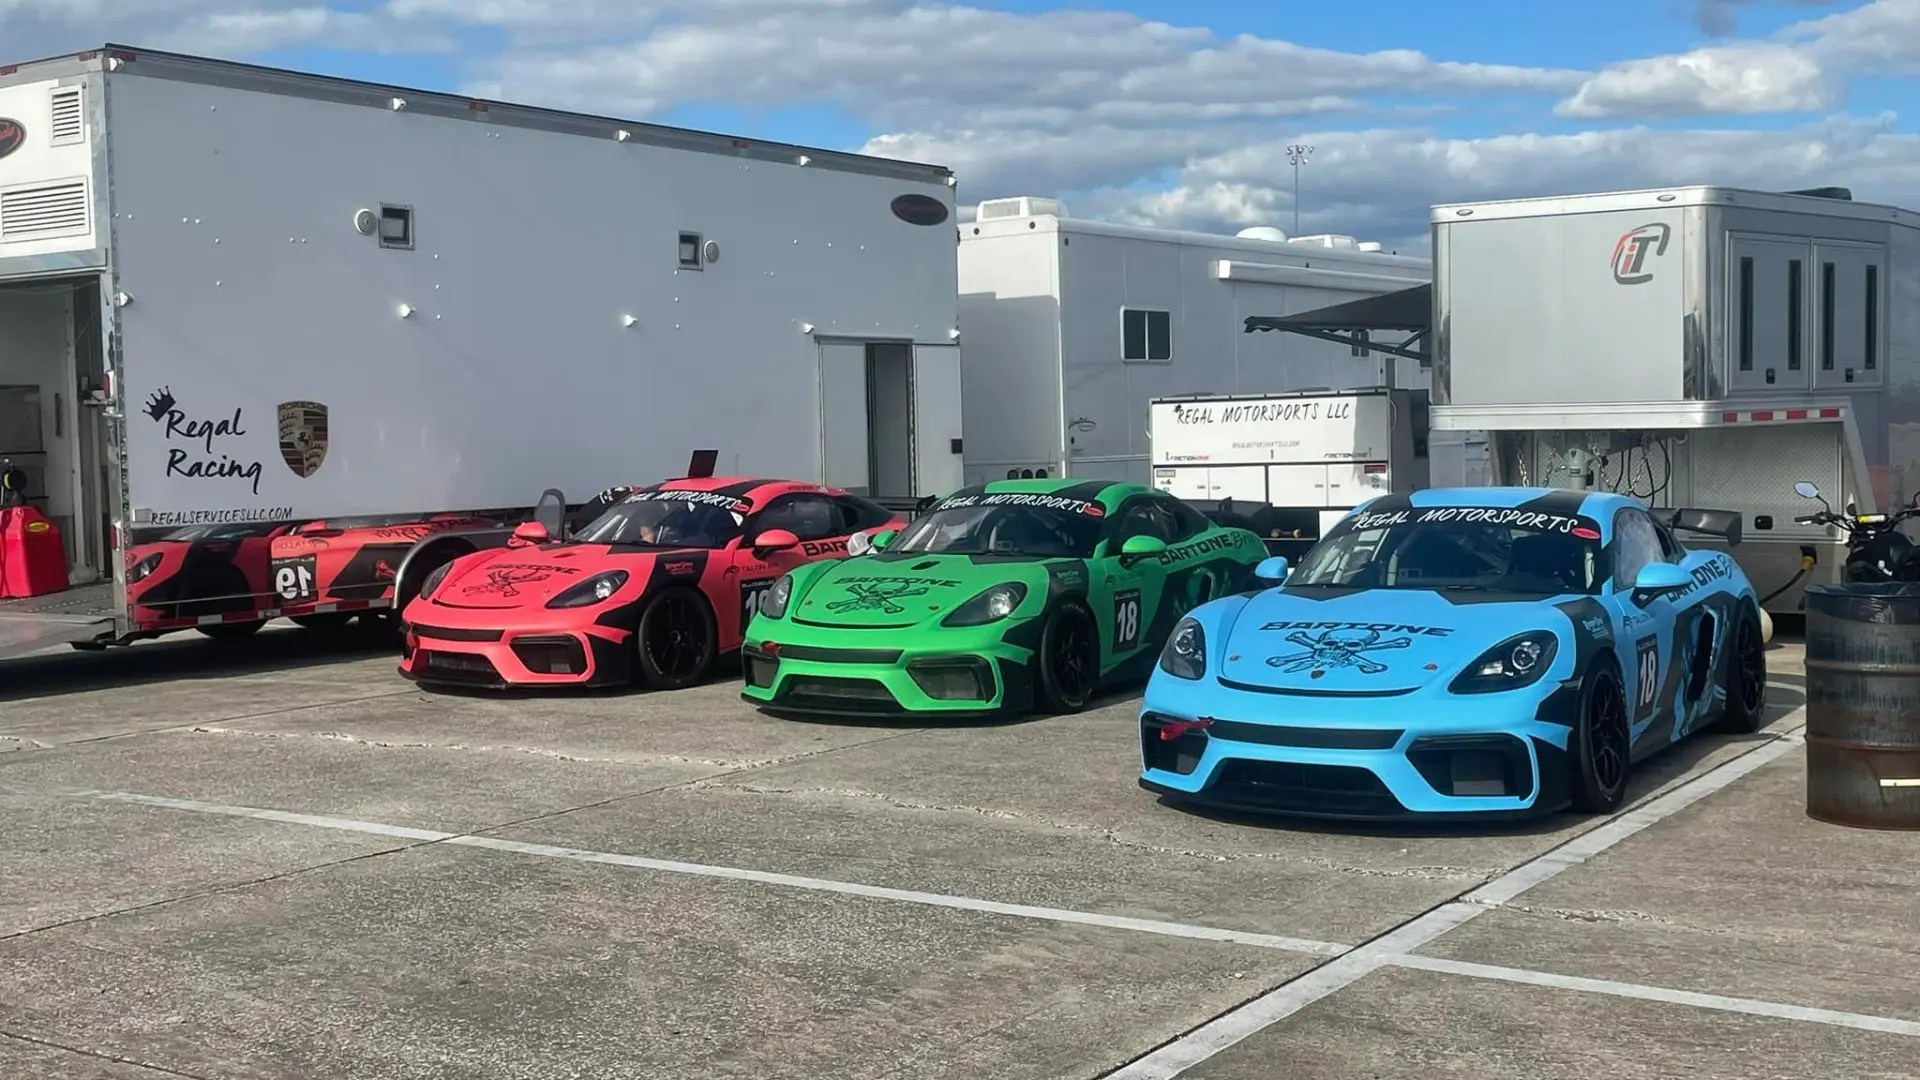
x=653, y=591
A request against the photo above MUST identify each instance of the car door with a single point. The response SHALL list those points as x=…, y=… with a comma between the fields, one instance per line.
x=1700, y=631
x=816, y=519
x=1205, y=574
x=1126, y=595
x=1644, y=628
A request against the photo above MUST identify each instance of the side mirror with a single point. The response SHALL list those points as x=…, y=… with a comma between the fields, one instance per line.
x=1273, y=568
x=859, y=544
x=775, y=540
x=1141, y=547
x=884, y=537
x=1657, y=580
x=1806, y=490
x=531, y=532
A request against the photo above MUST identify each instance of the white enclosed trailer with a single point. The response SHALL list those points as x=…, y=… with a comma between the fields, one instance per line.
x=234, y=295
x=1071, y=327
x=1311, y=456
x=1702, y=347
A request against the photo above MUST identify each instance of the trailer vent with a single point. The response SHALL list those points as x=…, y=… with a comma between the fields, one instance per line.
x=43, y=212
x=69, y=124
x=1023, y=206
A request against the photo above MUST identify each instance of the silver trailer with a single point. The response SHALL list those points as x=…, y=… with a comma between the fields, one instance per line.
x=1697, y=346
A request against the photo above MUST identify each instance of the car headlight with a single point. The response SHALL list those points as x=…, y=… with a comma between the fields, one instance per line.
x=1185, y=654
x=1516, y=662
x=435, y=578
x=774, y=604
x=591, y=591
x=139, y=571
x=989, y=607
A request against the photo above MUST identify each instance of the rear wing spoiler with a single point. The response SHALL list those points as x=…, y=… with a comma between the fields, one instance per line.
x=1722, y=523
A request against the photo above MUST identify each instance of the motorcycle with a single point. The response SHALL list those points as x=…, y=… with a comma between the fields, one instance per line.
x=1876, y=548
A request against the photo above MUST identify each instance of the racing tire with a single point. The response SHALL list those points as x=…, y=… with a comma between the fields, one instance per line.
x=677, y=641
x=1745, y=679
x=232, y=631
x=1600, y=750
x=1067, y=665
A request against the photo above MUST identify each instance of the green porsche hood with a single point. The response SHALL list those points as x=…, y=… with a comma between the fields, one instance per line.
x=875, y=591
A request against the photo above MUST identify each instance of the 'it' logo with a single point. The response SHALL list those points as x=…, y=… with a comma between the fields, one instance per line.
x=1630, y=253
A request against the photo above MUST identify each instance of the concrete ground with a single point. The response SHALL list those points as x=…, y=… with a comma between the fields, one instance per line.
x=279, y=860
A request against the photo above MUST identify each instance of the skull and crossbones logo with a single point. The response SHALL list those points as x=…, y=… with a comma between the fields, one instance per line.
x=503, y=579
x=1336, y=649
x=877, y=595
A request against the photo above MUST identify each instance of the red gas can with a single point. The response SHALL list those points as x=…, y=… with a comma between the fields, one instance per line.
x=33, y=559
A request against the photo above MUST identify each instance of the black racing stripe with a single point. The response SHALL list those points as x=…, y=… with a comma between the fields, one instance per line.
x=1387, y=504
x=744, y=488
x=1559, y=502
x=1085, y=491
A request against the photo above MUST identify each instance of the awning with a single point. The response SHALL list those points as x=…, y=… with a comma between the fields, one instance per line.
x=1409, y=311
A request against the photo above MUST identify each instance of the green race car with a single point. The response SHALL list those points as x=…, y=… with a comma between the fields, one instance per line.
x=1004, y=598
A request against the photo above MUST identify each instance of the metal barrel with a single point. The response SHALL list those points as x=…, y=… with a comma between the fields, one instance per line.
x=1863, y=705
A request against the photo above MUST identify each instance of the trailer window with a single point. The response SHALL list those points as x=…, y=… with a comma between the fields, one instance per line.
x=1746, y=313
x=1359, y=346
x=1826, y=316
x=1794, y=326
x=1873, y=318
x=1146, y=335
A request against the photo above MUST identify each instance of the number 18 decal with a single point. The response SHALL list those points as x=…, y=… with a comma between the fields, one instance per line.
x=1126, y=620
x=1647, y=659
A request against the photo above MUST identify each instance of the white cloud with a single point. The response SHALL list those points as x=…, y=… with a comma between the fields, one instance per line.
x=1800, y=71
x=1378, y=185
x=1128, y=117
x=1722, y=16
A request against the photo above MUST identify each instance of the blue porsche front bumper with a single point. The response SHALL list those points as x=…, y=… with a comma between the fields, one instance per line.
x=1425, y=754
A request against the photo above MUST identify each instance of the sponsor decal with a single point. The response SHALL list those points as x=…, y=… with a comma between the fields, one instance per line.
x=504, y=579
x=698, y=498
x=1718, y=568
x=1384, y=628
x=884, y=593
x=303, y=436
x=919, y=210
x=1478, y=515
x=13, y=135
x=1047, y=502
x=203, y=456
x=823, y=547
x=1333, y=649
x=1224, y=542
x=1596, y=627
x=1630, y=252
x=1264, y=412
x=680, y=567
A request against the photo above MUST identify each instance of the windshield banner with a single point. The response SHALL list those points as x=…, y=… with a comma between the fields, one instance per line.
x=1047, y=502
x=1507, y=516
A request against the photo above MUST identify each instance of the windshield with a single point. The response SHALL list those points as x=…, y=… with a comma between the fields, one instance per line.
x=667, y=519
x=1497, y=549
x=996, y=525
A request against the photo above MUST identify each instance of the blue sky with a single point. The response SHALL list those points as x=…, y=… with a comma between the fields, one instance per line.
x=1181, y=124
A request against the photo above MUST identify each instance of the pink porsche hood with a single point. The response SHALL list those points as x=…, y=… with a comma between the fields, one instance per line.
x=527, y=577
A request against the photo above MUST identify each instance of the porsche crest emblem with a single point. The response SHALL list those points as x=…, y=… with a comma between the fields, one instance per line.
x=303, y=436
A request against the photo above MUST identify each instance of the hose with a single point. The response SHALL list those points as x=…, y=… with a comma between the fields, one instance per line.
x=1806, y=564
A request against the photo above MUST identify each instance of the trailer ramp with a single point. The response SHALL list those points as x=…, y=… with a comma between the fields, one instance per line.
x=82, y=613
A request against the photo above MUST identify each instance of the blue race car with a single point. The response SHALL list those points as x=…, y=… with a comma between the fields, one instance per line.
x=1471, y=651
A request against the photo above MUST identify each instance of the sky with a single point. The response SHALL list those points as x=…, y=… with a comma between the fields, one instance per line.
x=1149, y=111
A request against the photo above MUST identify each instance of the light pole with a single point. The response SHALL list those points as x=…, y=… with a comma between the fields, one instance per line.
x=1297, y=155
